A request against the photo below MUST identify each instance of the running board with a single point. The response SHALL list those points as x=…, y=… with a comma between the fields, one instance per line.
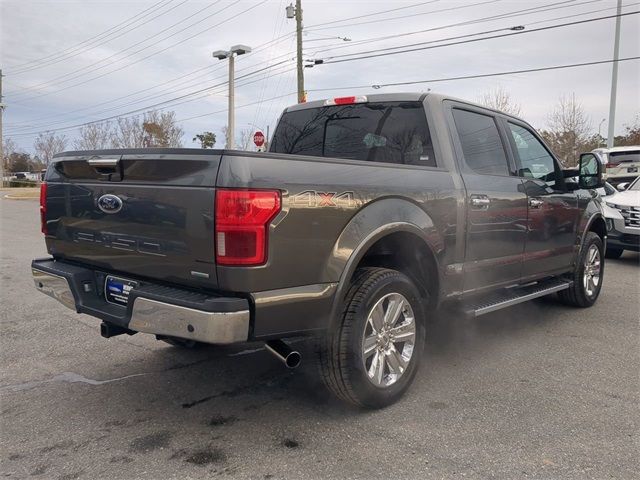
x=514, y=296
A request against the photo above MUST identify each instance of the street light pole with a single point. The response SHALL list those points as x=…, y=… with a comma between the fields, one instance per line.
x=231, y=54
x=231, y=122
x=614, y=79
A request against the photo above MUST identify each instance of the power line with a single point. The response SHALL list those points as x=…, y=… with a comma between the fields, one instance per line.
x=375, y=13
x=207, y=30
x=481, y=75
x=73, y=47
x=89, y=47
x=364, y=55
x=91, y=68
x=211, y=68
x=188, y=84
x=512, y=14
x=53, y=81
x=147, y=107
x=448, y=9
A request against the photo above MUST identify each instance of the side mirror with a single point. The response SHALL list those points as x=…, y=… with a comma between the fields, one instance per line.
x=622, y=187
x=590, y=171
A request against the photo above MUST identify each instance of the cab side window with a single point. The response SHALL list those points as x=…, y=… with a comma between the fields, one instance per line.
x=535, y=160
x=481, y=143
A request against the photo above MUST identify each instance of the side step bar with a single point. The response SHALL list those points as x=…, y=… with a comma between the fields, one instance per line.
x=514, y=296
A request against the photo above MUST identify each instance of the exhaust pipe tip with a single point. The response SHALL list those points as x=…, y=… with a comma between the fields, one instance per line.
x=293, y=359
x=283, y=352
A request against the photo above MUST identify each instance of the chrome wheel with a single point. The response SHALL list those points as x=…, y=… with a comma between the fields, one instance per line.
x=592, y=267
x=388, y=340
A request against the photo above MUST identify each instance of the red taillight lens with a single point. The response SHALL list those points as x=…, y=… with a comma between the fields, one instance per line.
x=43, y=207
x=242, y=221
x=612, y=165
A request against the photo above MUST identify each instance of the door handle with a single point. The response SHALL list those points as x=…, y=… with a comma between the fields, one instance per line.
x=480, y=201
x=535, y=203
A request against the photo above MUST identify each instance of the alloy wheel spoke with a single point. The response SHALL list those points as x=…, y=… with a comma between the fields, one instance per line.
x=396, y=363
x=376, y=318
x=393, y=311
x=369, y=345
x=376, y=370
x=403, y=332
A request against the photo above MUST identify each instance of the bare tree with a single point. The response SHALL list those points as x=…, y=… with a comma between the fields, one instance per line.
x=94, y=136
x=9, y=147
x=161, y=129
x=48, y=144
x=245, y=137
x=128, y=133
x=569, y=131
x=153, y=129
x=500, y=99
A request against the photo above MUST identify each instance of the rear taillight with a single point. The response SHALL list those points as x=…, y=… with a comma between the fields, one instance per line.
x=612, y=165
x=242, y=223
x=43, y=207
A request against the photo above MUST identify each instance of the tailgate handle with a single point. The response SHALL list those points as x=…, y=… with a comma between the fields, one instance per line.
x=104, y=162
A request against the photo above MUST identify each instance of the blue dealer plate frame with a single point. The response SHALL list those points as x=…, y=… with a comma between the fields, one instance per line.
x=117, y=290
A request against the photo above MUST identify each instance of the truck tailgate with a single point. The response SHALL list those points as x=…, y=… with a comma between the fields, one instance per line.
x=148, y=214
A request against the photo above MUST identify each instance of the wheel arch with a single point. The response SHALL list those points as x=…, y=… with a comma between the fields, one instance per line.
x=371, y=237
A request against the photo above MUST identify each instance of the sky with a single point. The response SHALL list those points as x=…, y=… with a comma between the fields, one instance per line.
x=69, y=62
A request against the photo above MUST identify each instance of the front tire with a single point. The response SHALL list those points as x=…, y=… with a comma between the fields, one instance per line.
x=588, y=274
x=372, y=354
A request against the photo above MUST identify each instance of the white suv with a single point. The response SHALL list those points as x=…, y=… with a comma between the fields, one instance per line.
x=622, y=163
x=622, y=214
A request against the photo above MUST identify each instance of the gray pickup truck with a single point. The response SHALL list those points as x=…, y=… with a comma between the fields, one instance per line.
x=366, y=215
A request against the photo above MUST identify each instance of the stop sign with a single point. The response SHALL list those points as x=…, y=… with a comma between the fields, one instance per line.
x=258, y=139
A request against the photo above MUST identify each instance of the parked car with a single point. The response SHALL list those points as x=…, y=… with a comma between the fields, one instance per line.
x=606, y=190
x=366, y=215
x=622, y=214
x=622, y=163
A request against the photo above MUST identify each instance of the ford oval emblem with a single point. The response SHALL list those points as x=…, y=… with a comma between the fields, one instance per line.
x=110, y=203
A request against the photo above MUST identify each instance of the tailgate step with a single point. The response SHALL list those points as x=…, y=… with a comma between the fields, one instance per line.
x=513, y=296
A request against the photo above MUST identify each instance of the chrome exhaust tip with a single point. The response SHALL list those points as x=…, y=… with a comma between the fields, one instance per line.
x=291, y=358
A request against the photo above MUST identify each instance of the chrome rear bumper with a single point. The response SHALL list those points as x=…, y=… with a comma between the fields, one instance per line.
x=151, y=316
x=55, y=286
x=145, y=314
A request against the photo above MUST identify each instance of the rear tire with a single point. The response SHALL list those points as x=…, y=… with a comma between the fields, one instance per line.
x=613, y=252
x=588, y=274
x=365, y=360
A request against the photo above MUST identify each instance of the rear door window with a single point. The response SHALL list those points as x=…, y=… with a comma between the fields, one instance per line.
x=481, y=143
x=389, y=132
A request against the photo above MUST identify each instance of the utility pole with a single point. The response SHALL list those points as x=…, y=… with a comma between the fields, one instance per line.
x=1, y=137
x=614, y=79
x=221, y=55
x=297, y=13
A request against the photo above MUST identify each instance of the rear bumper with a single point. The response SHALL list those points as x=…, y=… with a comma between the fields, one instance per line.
x=151, y=308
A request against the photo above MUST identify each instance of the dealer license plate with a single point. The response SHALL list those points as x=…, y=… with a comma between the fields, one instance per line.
x=116, y=290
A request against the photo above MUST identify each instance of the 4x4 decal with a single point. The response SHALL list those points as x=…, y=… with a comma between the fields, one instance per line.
x=315, y=199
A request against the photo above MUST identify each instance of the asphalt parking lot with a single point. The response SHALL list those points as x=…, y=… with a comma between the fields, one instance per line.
x=536, y=391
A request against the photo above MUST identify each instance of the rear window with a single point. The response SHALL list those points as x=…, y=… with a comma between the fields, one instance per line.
x=624, y=157
x=389, y=132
